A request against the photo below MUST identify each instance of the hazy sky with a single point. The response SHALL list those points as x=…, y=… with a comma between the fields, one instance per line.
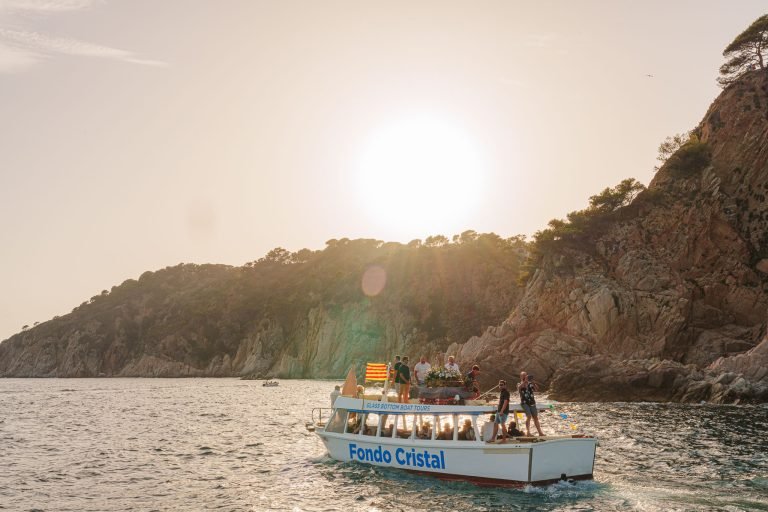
x=140, y=134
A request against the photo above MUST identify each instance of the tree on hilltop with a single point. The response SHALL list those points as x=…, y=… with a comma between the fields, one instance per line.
x=436, y=241
x=747, y=52
x=277, y=255
x=670, y=146
x=581, y=227
x=611, y=199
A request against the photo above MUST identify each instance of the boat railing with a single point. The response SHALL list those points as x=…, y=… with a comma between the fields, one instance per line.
x=318, y=413
x=480, y=397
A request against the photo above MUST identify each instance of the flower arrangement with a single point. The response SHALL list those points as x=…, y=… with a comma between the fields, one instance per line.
x=440, y=377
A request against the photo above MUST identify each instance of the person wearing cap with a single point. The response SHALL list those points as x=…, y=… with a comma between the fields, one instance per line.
x=501, y=414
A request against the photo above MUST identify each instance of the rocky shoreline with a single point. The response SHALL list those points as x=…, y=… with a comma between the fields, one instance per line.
x=670, y=303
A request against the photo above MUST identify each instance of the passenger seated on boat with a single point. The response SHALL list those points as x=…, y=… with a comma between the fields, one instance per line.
x=467, y=433
x=355, y=423
x=488, y=428
x=513, y=430
x=386, y=431
x=425, y=432
x=446, y=434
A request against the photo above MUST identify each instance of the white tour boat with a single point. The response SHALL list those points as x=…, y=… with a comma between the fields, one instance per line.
x=403, y=435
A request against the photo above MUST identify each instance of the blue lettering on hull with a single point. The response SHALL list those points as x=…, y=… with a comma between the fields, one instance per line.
x=402, y=457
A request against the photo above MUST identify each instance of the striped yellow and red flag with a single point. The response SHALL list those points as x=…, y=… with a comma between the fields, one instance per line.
x=376, y=371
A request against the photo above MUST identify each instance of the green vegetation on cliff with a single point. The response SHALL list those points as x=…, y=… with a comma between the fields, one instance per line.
x=580, y=228
x=263, y=316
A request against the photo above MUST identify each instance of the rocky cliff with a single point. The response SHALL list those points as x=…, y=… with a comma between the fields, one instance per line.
x=304, y=314
x=668, y=300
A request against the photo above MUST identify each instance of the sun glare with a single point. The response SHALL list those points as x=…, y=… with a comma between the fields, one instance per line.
x=420, y=176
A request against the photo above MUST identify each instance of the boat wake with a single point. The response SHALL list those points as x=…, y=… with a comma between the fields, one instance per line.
x=566, y=489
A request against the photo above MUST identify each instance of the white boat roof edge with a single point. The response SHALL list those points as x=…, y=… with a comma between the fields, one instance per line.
x=375, y=406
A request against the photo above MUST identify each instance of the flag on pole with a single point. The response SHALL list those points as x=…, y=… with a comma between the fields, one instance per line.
x=376, y=372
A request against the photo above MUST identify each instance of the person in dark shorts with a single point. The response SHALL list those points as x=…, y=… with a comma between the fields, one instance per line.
x=501, y=414
x=528, y=402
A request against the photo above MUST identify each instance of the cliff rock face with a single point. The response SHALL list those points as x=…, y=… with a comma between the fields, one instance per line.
x=670, y=301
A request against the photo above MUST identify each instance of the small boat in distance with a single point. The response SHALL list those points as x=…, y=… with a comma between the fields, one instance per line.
x=374, y=430
x=269, y=383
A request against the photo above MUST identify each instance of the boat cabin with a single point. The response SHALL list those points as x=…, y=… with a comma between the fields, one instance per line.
x=377, y=419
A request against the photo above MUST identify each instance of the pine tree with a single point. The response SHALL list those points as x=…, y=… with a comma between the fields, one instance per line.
x=747, y=52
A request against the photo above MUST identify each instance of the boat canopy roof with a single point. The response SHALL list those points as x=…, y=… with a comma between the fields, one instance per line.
x=381, y=407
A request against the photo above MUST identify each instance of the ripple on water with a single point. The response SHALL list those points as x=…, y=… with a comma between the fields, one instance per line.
x=141, y=444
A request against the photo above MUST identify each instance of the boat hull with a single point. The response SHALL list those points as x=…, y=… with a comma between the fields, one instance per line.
x=490, y=464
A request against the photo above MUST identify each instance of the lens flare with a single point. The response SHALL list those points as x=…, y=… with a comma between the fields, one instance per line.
x=374, y=280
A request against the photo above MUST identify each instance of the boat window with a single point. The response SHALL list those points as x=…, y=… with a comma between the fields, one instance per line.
x=354, y=423
x=371, y=423
x=404, y=426
x=445, y=423
x=424, y=427
x=337, y=421
x=466, y=428
x=388, y=423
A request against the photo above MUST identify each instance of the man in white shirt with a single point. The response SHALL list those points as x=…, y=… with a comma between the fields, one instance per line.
x=335, y=394
x=421, y=369
x=451, y=364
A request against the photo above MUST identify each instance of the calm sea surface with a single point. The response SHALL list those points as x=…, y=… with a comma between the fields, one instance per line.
x=226, y=444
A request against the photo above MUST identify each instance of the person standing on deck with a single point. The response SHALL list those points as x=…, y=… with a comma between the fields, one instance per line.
x=335, y=394
x=451, y=364
x=501, y=414
x=528, y=402
x=394, y=369
x=420, y=371
x=403, y=376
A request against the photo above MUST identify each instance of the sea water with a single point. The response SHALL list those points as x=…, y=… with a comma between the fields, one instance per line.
x=227, y=444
